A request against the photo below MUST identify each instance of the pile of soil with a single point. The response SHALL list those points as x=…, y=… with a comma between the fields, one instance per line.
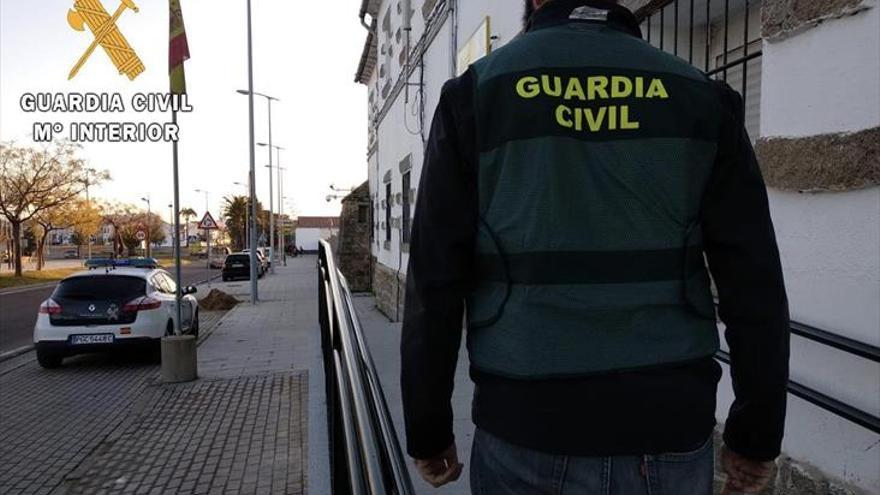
x=217, y=300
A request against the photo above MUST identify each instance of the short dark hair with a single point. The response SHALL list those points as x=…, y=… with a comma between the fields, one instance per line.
x=527, y=13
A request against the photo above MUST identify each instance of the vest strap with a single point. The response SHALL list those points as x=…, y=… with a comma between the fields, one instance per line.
x=592, y=267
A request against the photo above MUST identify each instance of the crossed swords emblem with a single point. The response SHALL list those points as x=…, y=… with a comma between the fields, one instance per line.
x=113, y=312
x=91, y=14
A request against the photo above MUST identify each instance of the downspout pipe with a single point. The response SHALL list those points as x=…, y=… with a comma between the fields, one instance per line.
x=365, y=4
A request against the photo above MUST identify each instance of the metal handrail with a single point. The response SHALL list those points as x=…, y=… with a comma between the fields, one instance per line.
x=386, y=424
x=846, y=344
x=365, y=454
x=830, y=404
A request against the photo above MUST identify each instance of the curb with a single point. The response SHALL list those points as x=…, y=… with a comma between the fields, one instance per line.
x=203, y=337
x=6, y=356
x=207, y=280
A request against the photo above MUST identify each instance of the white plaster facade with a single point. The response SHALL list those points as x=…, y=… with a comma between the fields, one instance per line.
x=826, y=79
x=308, y=238
x=397, y=134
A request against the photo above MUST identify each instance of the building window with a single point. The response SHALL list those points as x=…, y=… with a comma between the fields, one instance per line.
x=363, y=212
x=406, y=208
x=388, y=201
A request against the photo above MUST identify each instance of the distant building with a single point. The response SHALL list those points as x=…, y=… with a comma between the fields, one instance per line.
x=311, y=230
x=809, y=72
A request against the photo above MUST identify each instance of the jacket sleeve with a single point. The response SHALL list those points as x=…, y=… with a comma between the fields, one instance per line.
x=440, y=262
x=744, y=260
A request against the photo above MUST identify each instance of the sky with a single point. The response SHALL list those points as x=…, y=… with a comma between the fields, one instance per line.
x=305, y=54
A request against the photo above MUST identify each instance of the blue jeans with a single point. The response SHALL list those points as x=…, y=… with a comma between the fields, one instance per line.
x=498, y=467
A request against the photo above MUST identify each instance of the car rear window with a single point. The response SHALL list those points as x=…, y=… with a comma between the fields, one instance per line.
x=238, y=258
x=101, y=287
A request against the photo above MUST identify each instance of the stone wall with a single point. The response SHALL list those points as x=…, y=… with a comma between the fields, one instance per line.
x=353, y=243
x=389, y=288
x=824, y=162
x=782, y=18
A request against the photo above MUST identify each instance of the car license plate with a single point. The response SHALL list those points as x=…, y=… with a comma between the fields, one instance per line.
x=237, y=265
x=91, y=339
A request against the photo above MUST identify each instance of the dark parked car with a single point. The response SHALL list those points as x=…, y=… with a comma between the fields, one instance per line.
x=263, y=263
x=236, y=266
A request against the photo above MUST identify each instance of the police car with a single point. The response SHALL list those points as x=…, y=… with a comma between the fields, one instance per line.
x=119, y=306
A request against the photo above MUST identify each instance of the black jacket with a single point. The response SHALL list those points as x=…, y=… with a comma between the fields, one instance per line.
x=667, y=409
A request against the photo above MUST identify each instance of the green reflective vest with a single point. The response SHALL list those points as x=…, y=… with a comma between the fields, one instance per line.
x=595, y=150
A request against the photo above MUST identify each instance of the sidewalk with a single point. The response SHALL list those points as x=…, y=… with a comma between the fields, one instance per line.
x=383, y=338
x=244, y=426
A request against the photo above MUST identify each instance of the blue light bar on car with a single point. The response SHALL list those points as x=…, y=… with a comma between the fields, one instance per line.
x=145, y=263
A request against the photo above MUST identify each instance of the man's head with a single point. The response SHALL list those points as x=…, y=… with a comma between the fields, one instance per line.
x=531, y=7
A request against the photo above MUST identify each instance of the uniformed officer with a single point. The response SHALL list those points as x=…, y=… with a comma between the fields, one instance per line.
x=573, y=182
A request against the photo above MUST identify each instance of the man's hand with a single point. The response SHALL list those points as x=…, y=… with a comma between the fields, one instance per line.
x=442, y=469
x=744, y=475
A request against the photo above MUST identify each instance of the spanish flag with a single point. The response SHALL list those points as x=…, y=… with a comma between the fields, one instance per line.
x=178, y=49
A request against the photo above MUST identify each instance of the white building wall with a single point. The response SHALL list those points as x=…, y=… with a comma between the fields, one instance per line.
x=401, y=132
x=827, y=80
x=308, y=239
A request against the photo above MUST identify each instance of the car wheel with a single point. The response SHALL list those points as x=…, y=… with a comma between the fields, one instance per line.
x=49, y=360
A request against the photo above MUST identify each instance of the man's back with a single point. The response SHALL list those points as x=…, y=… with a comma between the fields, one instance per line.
x=573, y=181
x=591, y=169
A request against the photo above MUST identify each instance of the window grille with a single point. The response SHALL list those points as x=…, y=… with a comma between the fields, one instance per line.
x=406, y=207
x=388, y=212
x=720, y=37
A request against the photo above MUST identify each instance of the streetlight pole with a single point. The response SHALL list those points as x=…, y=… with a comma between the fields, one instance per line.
x=88, y=182
x=272, y=239
x=252, y=178
x=171, y=227
x=149, y=227
x=280, y=240
x=271, y=221
x=281, y=243
x=269, y=100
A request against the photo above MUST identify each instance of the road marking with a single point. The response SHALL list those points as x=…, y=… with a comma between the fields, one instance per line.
x=9, y=292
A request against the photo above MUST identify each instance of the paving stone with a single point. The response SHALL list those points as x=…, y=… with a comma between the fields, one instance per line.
x=203, y=401
x=247, y=414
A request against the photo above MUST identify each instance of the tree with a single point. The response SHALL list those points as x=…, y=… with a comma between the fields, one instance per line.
x=127, y=221
x=35, y=180
x=89, y=220
x=187, y=214
x=236, y=215
x=47, y=221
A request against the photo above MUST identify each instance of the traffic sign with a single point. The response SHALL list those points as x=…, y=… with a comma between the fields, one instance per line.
x=208, y=222
x=141, y=235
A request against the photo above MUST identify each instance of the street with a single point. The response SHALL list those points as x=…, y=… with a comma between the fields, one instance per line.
x=18, y=308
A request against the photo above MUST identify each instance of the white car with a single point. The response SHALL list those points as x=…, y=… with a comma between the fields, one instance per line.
x=107, y=309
